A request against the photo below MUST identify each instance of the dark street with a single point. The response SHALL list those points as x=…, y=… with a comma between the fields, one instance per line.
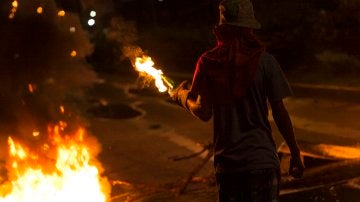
x=139, y=149
x=85, y=115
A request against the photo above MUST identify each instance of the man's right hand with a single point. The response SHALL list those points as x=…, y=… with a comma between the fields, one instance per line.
x=175, y=93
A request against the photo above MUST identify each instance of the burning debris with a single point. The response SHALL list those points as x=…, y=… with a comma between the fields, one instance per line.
x=64, y=169
x=323, y=163
x=43, y=83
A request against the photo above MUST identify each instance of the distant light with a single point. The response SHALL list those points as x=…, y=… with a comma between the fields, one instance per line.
x=13, y=10
x=161, y=0
x=73, y=53
x=92, y=13
x=39, y=10
x=15, y=4
x=91, y=22
x=11, y=15
x=31, y=87
x=61, y=13
x=72, y=29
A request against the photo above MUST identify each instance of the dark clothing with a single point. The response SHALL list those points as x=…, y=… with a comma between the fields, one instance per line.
x=238, y=92
x=242, y=133
x=234, y=83
x=250, y=186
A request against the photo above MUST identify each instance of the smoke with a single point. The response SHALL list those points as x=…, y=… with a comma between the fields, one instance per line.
x=43, y=67
x=124, y=35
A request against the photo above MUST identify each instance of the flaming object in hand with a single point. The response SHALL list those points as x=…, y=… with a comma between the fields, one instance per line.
x=145, y=66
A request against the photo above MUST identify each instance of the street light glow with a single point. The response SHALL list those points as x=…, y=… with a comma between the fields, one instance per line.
x=39, y=10
x=91, y=22
x=92, y=13
x=15, y=4
x=61, y=13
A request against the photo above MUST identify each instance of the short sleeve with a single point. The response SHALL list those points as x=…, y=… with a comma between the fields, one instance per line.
x=278, y=86
x=200, y=84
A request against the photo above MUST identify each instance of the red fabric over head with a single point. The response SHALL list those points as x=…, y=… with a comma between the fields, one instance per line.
x=232, y=63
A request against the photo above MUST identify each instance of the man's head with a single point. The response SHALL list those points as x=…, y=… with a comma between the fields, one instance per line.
x=238, y=13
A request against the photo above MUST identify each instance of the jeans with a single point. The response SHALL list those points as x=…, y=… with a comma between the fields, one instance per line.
x=250, y=186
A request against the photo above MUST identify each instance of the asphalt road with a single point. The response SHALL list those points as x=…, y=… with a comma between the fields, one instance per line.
x=141, y=133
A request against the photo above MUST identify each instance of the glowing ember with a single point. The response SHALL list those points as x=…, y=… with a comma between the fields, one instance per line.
x=31, y=88
x=37, y=177
x=62, y=109
x=146, y=66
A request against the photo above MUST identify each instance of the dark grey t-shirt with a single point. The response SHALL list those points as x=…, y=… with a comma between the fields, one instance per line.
x=242, y=132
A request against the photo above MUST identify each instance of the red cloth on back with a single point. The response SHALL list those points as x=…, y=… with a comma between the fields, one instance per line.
x=229, y=68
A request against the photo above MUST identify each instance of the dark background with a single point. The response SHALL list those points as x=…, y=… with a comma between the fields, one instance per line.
x=315, y=41
x=177, y=31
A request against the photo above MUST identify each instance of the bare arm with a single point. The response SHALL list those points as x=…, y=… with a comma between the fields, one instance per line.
x=199, y=108
x=283, y=122
x=196, y=104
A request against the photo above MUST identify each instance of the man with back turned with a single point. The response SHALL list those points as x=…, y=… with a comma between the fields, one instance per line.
x=233, y=83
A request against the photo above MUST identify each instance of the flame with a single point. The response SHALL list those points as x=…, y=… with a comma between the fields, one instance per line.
x=74, y=174
x=146, y=65
x=342, y=152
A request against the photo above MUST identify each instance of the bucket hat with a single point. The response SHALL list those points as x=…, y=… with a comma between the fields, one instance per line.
x=238, y=13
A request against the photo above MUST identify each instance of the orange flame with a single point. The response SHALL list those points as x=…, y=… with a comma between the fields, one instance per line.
x=337, y=151
x=146, y=65
x=73, y=176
